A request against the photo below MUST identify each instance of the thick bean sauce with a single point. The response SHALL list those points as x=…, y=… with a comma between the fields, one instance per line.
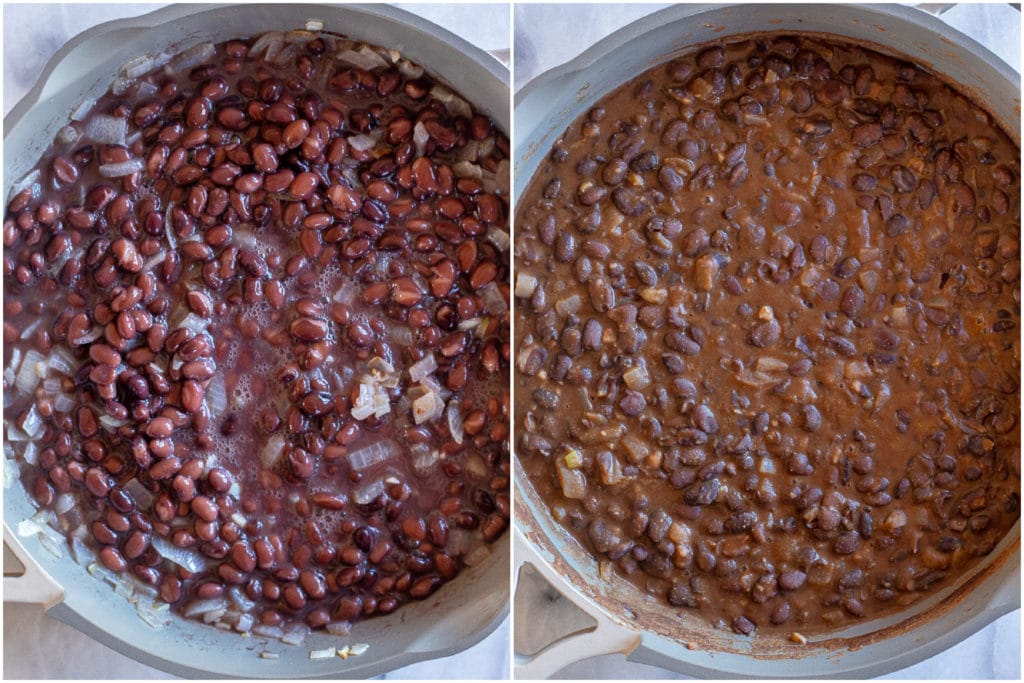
x=767, y=355
x=256, y=332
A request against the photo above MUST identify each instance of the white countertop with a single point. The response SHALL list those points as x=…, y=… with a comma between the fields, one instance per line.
x=541, y=44
x=37, y=646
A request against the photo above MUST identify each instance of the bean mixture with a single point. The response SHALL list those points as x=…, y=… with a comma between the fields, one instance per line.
x=767, y=333
x=256, y=332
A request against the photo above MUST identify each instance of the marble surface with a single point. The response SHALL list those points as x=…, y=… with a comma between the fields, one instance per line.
x=37, y=646
x=540, y=44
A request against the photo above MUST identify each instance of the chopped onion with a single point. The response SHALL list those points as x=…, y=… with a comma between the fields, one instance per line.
x=182, y=557
x=358, y=649
x=272, y=451
x=192, y=57
x=80, y=552
x=339, y=628
x=371, y=455
x=155, y=615
x=467, y=169
x=469, y=152
x=494, y=300
x=454, y=416
x=452, y=102
x=67, y=135
x=194, y=323
x=266, y=654
x=498, y=238
x=426, y=407
x=216, y=396
x=573, y=482
x=31, y=456
x=420, y=137
x=265, y=41
x=295, y=634
x=32, y=424
x=409, y=70
x=425, y=457
x=423, y=367
x=107, y=130
x=121, y=84
x=368, y=493
x=300, y=36
x=364, y=58
x=62, y=360
x=112, y=423
x=326, y=653
x=402, y=335
x=361, y=143
x=314, y=25
x=62, y=403
x=244, y=623
x=122, y=168
x=137, y=66
x=197, y=607
x=146, y=90
x=240, y=600
x=154, y=261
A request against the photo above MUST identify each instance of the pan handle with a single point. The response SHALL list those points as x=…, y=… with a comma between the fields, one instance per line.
x=34, y=586
x=605, y=639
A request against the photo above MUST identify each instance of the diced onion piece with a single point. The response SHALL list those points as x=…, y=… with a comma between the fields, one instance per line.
x=121, y=85
x=371, y=455
x=423, y=367
x=426, y=407
x=567, y=306
x=494, y=300
x=339, y=628
x=239, y=599
x=67, y=135
x=454, y=416
x=525, y=285
x=326, y=653
x=122, y=168
x=425, y=458
x=194, y=323
x=112, y=423
x=83, y=109
x=467, y=169
x=183, y=557
x=364, y=58
x=409, y=70
x=268, y=631
x=499, y=238
x=637, y=378
x=192, y=57
x=369, y=493
x=216, y=396
x=272, y=451
x=452, y=102
x=314, y=25
x=573, y=482
x=155, y=615
x=295, y=634
x=358, y=649
x=137, y=66
x=197, y=607
x=31, y=372
x=361, y=143
x=106, y=130
x=420, y=137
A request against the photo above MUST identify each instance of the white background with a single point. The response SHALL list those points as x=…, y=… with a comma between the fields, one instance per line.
x=36, y=646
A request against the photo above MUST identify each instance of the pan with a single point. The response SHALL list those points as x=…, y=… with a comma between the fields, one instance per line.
x=650, y=633
x=455, y=617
